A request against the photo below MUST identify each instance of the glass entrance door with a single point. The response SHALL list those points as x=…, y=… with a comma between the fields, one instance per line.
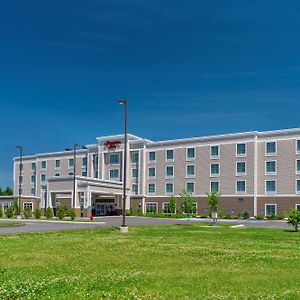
x=104, y=209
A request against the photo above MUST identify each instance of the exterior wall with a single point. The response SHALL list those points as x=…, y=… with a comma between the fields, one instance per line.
x=284, y=204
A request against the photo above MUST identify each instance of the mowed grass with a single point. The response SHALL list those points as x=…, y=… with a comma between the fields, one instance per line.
x=161, y=262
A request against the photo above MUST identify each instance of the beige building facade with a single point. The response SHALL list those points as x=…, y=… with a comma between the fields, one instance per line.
x=254, y=171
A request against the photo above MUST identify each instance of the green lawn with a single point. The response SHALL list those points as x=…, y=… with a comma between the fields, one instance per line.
x=8, y=224
x=162, y=262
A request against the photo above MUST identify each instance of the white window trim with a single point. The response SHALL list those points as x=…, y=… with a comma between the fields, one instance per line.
x=270, y=193
x=296, y=171
x=151, y=177
x=28, y=202
x=271, y=173
x=151, y=193
x=296, y=150
x=166, y=174
x=114, y=177
x=241, y=192
x=41, y=178
x=151, y=203
x=193, y=193
x=169, y=160
x=218, y=184
x=131, y=154
x=186, y=154
x=137, y=172
x=113, y=164
x=243, y=154
x=240, y=173
x=43, y=168
x=214, y=156
x=151, y=161
x=270, y=204
x=297, y=204
x=271, y=154
x=162, y=205
x=132, y=192
x=190, y=175
x=215, y=175
x=166, y=192
x=296, y=190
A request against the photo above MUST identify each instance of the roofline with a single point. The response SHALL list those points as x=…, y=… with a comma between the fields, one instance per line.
x=118, y=136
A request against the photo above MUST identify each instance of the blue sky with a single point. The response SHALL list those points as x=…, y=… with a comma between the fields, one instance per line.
x=187, y=68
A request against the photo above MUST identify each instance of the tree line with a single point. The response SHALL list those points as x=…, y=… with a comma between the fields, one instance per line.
x=6, y=192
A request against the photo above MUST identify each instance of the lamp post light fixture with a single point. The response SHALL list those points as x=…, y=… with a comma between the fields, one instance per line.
x=74, y=171
x=124, y=228
x=20, y=176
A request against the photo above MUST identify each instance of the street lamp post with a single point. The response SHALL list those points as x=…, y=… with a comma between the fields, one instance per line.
x=20, y=176
x=124, y=228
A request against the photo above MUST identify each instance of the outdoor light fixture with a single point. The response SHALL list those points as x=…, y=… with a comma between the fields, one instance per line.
x=20, y=176
x=124, y=228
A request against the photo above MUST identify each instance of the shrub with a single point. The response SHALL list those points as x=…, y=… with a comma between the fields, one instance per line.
x=294, y=218
x=9, y=212
x=37, y=213
x=227, y=216
x=172, y=205
x=260, y=217
x=245, y=214
x=61, y=212
x=27, y=212
x=49, y=213
x=72, y=213
x=1, y=212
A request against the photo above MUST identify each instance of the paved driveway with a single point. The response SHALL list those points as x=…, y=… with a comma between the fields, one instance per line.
x=42, y=225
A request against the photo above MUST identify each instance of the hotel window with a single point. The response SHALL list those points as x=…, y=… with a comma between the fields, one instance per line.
x=192, y=209
x=84, y=173
x=57, y=174
x=135, y=172
x=214, y=169
x=270, y=186
x=215, y=186
x=151, y=207
x=241, y=187
x=84, y=161
x=169, y=171
x=190, y=153
x=298, y=166
x=298, y=146
x=190, y=171
x=43, y=177
x=32, y=191
x=151, y=188
x=152, y=156
x=152, y=172
x=71, y=174
x=170, y=155
x=271, y=167
x=298, y=186
x=114, y=174
x=33, y=166
x=271, y=148
x=27, y=205
x=241, y=149
x=71, y=162
x=297, y=206
x=57, y=164
x=240, y=168
x=190, y=187
x=134, y=157
x=270, y=209
x=169, y=188
x=214, y=151
x=44, y=164
x=165, y=207
x=33, y=179
x=134, y=189
x=114, y=159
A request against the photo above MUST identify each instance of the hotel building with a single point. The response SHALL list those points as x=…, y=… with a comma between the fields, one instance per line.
x=257, y=171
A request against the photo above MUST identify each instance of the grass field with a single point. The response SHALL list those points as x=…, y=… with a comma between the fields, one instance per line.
x=162, y=262
x=8, y=224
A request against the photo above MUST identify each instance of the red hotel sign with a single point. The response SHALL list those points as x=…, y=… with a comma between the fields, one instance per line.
x=112, y=145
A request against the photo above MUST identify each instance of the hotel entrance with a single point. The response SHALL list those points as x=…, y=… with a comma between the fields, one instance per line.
x=104, y=207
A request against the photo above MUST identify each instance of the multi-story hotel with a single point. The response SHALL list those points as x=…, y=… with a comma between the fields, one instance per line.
x=257, y=171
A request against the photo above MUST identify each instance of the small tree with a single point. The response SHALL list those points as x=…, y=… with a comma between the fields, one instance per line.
x=294, y=218
x=188, y=204
x=172, y=205
x=213, y=203
x=72, y=213
x=9, y=212
x=1, y=212
x=49, y=213
x=61, y=212
x=27, y=212
x=37, y=213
